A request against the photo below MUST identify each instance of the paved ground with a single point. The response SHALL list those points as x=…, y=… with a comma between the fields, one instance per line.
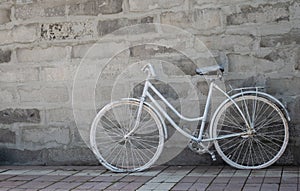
x=30, y=178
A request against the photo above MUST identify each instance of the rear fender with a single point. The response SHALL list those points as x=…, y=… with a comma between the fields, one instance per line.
x=267, y=96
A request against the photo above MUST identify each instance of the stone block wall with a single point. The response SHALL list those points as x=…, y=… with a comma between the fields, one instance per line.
x=42, y=43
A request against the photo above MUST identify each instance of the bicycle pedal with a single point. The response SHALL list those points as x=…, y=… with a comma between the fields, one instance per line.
x=213, y=157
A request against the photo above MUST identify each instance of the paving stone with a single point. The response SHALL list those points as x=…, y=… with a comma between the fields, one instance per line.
x=11, y=184
x=216, y=187
x=89, y=173
x=182, y=186
x=199, y=186
x=61, y=173
x=63, y=185
x=269, y=180
x=234, y=187
x=94, y=186
x=117, y=186
x=173, y=179
x=14, y=172
x=38, y=172
x=50, y=178
x=136, y=178
x=165, y=186
x=205, y=179
x=106, y=179
x=269, y=187
x=255, y=180
x=23, y=177
x=150, y=185
x=77, y=179
x=288, y=186
x=35, y=184
x=252, y=187
x=289, y=180
x=220, y=180
x=132, y=186
x=5, y=177
x=190, y=179
x=236, y=179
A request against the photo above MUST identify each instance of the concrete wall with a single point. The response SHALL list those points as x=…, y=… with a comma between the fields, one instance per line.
x=42, y=42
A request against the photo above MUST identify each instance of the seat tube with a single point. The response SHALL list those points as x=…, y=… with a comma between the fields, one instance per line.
x=207, y=106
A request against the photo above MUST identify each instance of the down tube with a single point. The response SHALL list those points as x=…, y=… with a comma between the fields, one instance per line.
x=169, y=118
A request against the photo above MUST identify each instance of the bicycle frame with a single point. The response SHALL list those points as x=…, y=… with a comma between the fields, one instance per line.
x=203, y=118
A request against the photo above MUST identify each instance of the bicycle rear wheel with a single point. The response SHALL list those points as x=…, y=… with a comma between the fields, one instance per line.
x=126, y=154
x=258, y=148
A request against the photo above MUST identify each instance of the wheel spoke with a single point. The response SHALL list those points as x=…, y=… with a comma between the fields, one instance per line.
x=255, y=149
x=119, y=153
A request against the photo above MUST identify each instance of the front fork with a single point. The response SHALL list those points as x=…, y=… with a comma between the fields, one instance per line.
x=139, y=113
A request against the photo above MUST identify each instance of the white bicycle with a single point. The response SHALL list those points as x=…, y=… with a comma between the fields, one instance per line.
x=249, y=129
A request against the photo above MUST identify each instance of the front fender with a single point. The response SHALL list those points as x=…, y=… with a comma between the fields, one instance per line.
x=156, y=112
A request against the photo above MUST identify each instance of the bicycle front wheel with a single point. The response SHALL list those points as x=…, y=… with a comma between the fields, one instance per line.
x=257, y=147
x=120, y=153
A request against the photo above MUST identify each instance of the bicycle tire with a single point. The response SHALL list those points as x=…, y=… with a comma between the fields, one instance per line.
x=119, y=154
x=259, y=149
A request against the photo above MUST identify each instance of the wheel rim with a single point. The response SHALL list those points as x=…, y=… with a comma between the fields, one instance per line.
x=123, y=154
x=261, y=145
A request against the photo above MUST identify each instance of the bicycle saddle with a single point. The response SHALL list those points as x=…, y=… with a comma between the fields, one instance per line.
x=208, y=69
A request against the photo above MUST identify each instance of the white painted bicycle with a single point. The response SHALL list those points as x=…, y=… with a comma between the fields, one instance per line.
x=249, y=129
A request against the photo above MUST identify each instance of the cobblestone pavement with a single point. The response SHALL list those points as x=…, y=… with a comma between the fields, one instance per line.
x=77, y=178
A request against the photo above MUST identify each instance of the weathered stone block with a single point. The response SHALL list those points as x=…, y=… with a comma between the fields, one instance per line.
x=294, y=110
x=227, y=42
x=59, y=115
x=7, y=136
x=4, y=16
x=41, y=54
x=30, y=93
x=6, y=37
x=66, y=30
x=109, y=26
x=5, y=55
x=7, y=96
x=240, y=63
x=21, y=33
x=57, y=11
x=25, y=33
x=55, y=94
x=295, y=10
x=278, y=40
x=80, y=51
x=39, y=9
x=96, y=7
x=9, y=116
x=15, y=156
x=262, y=13
x=149, y=50
x=146, y=5
x=46, y=137
x=28, y=11
x=201, y=19
x=274, y=28
x=283, y=86
x=297, y=60
x=58, y=73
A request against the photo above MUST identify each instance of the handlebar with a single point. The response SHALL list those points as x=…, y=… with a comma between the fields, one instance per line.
x=148, y=68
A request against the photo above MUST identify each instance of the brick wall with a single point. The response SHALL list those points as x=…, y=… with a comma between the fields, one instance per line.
x=42, y=43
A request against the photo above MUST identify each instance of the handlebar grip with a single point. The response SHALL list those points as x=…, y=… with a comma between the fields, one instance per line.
x=150, y=70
